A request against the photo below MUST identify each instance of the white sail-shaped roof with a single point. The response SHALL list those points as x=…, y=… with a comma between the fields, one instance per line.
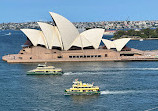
x=81, y=41
x=94, y=36
x=51, y=34
x=120, y=43
x=66, y=29
x=35, y=36
x=42, y=40
x=108, y=43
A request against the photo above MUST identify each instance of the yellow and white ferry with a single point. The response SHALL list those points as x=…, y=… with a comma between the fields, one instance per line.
x=79, y=88
x=43, y=69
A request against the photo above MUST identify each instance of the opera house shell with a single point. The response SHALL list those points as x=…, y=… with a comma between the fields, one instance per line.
x=63, y=42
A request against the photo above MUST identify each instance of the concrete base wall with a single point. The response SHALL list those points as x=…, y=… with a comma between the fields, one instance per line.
x=40, y=54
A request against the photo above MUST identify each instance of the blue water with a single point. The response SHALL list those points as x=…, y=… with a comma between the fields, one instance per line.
x=125, y=86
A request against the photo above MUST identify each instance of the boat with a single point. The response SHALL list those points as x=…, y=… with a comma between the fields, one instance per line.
x=79, y=88
x=8, y=33
x=141, y=40
x=43, y=69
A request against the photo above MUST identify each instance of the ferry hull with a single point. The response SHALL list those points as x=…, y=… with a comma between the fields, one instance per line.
x=42, y=73
x=82, y=93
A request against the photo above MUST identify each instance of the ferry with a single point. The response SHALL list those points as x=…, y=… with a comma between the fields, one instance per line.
x=79, y=88
x=43, y=69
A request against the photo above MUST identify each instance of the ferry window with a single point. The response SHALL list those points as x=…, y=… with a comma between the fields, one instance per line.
x=60, y=57
x=95, y=55
x=40, y=66
x=70, y=56
x=21, y=53
x=74, y=56
x=84, y=56
x=106, y=55
x=39, y=71
x=77, y=56
x=91, y=55
x=30, y=57
x=88, y=56
x=23, y=50
x=99, y=55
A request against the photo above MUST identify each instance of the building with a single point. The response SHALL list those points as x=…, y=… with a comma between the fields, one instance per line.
x=62, y=42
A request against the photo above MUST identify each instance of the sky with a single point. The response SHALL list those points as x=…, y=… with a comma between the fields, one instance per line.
x=78, y=10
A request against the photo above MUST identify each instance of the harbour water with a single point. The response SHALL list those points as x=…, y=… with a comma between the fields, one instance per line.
x=125, y=86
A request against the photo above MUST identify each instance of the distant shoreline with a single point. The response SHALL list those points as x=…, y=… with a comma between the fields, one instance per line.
x=144, y=38
x=139, y=38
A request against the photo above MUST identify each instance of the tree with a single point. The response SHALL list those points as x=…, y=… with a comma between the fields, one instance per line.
x=119, y=33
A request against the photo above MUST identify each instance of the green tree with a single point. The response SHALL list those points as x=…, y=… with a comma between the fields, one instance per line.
x=119, y=33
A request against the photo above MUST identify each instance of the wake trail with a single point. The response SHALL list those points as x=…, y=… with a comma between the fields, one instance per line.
x=107, y=92
x=110, y=71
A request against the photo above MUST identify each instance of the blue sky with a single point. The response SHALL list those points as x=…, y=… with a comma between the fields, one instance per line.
x=78, y=10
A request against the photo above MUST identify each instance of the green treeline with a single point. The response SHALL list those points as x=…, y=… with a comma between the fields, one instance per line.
x=143, y=33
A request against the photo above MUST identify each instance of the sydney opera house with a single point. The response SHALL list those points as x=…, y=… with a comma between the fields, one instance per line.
x=63, y=42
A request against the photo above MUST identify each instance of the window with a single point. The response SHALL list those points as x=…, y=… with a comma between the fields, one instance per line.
x=23, y=50
x=60, y=57
x=30, y=57
x=70, y=56
x=99, y=55
x=106, y=55
x=88, y=55
x=39, y=71
x=21, y=53
x=81, y=56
